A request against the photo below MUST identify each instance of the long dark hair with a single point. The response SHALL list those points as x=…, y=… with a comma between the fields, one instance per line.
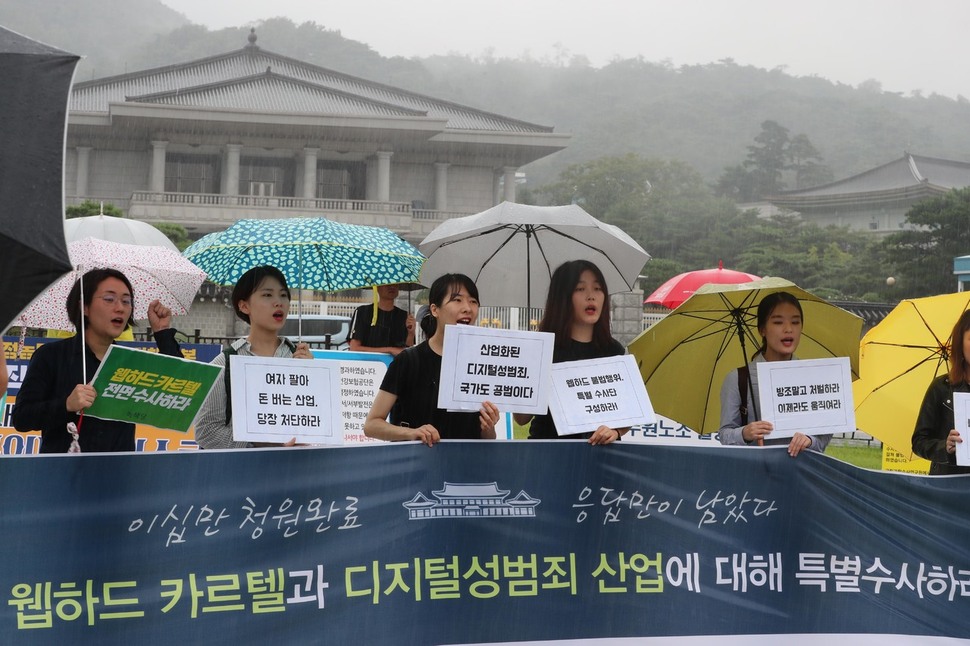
x=767, y=306
x=92, y=280
x=441, y=289
x=958, y=362
x=558, y=314
x=249, y=282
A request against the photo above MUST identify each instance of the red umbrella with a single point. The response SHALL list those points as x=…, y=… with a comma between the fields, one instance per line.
x=676, y=290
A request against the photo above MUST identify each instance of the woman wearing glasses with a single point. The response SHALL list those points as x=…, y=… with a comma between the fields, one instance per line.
x=53, y=394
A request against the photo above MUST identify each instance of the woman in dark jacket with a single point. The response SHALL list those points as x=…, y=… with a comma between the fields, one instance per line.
x=935, y=437
x=55, y=392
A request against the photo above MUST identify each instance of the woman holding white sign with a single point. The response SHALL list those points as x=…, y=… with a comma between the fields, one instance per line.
x=578, y=313
x=935, y=437
x=780, y=326
x=55, y=391
x=260, y=298
x=409, y=392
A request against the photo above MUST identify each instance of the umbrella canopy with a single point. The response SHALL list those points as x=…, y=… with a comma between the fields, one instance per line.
x=115, y=229
x=511, y=250
x=313, y=253
x=676, y=290
x=899, y=358
x=154, y=273
x=35, y=81
x=685, y=357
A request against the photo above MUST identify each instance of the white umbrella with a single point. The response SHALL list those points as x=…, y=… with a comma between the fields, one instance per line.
x=116, y=229
x=511, y=250
x=154, y=273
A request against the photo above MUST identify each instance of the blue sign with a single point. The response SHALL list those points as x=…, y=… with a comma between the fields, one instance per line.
x=472, y=542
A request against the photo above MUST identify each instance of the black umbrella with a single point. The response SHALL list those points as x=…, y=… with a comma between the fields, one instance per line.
x=35, y=82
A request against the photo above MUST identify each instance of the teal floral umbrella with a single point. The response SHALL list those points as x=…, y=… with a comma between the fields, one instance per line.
x=313, y=253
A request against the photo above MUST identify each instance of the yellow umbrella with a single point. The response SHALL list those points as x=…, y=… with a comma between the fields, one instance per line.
x=685, y=356
x=899, y=358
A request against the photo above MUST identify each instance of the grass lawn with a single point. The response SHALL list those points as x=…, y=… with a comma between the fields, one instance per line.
x=861, y=455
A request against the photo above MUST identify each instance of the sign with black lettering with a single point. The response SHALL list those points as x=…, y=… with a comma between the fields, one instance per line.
x=506, y=367
x=276, y=399
x=598, y=392
x=810, y=396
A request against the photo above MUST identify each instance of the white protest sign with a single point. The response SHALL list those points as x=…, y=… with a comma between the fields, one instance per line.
x=598, y=392
x=274, y=400
x=508, y=368
x=810, y=396
x=961, y=422
x=361, y=374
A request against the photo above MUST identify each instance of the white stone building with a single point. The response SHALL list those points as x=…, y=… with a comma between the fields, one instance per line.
x=877, y=200
x=254, y=134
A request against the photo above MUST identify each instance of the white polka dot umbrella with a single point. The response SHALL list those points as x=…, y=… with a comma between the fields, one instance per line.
x=154, y=273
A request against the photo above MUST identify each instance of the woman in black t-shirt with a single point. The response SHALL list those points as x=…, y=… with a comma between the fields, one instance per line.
x=409, y=392
x=578, y=313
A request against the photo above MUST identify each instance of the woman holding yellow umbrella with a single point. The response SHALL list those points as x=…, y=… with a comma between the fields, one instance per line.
x=780, y=326
x=935, y=437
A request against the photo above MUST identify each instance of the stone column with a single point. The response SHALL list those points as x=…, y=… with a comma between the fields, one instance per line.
x=441, y=186
x=384, y=176
x=83, y=158
x=157, y=184
x=233, y=152
x=509, y=173
x=626, y=315
x=310, y=172
x=496, y=181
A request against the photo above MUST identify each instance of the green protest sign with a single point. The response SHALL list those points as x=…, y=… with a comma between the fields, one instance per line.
x=150, y=388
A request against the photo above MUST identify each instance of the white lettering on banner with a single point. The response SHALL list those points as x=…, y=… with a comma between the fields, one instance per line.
x=287, y=516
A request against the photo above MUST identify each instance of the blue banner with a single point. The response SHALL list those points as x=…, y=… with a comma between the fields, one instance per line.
x=473, y=542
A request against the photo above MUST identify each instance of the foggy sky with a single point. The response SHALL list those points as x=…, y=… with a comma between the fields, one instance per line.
x=904, y=45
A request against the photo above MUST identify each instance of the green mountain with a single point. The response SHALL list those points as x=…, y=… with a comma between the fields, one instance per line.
x=705, y=115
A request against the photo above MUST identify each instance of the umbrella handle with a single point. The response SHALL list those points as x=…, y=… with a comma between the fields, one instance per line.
x=739, y=325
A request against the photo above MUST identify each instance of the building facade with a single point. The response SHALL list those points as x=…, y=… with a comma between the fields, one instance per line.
x=877, y=200
x=254, y=134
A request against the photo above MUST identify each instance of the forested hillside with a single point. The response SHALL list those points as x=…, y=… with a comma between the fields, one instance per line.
x=704, y=115
x=661, y=151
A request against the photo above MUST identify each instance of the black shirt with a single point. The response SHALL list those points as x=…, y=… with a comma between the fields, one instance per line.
x=390, y=331
x=413, y=377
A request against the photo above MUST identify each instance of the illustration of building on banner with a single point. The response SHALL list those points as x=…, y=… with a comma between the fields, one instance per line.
x=462, y=500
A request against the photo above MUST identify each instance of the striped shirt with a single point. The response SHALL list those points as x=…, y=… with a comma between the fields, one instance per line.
x=211, y=430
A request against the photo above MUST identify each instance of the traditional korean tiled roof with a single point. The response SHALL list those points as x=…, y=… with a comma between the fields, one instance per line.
x=471, y=490
x=906, y=174
x=252, y=78
x=273, y=92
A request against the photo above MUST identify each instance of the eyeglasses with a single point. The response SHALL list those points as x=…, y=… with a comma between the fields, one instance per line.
x=111, y=299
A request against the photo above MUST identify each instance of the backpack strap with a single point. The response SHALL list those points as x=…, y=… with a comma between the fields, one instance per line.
x=231, y=350
x=743, y=391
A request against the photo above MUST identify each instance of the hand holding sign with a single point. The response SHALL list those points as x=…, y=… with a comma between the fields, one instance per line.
x=809, y=396
x=954, y=444
x=605, y=394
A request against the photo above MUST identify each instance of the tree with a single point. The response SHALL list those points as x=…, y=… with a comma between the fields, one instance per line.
x=805, y=160
x=776, y=155
x=923, y=257
x=768, y=158
x=737, y=183
x=90, y=207
x=176, y=233
x=662, y=204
